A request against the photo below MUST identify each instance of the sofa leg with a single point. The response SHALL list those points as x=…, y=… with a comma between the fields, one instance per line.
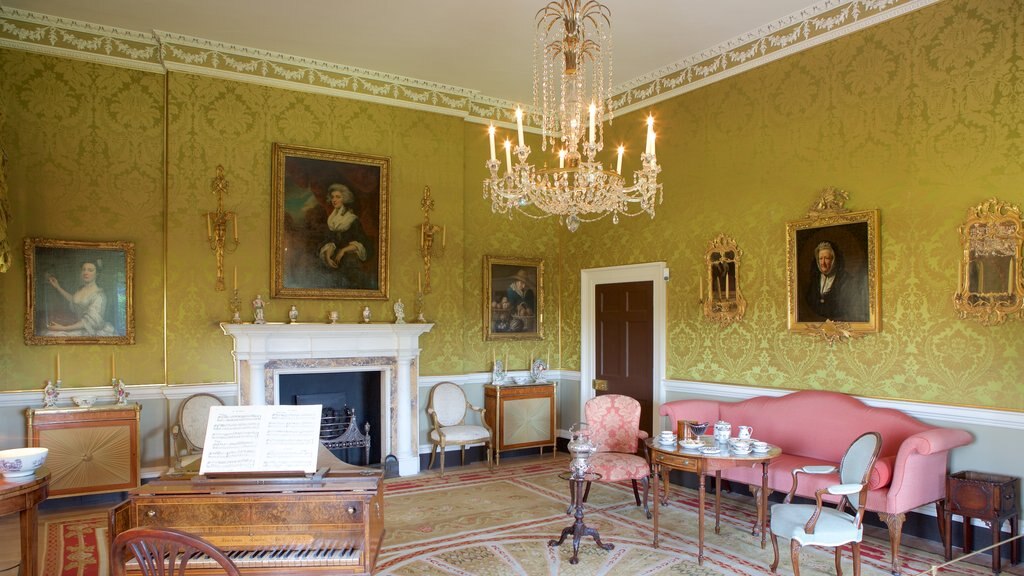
x=895, y=524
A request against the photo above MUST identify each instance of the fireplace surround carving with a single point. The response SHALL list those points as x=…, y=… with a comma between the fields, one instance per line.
x=263, y=352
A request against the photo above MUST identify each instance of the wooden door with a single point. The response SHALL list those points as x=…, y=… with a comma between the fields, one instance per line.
x=624, y=351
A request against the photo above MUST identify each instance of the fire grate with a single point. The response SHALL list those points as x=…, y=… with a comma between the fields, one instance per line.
x=340, y=430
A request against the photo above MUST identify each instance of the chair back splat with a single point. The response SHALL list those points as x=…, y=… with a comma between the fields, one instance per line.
x=166, y=552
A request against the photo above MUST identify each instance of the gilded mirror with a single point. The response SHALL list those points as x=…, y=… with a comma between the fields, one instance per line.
x=990, y=272
x=724, y=303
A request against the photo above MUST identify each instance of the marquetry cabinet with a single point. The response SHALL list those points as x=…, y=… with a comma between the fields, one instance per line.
x=520, y=416
x=92, y=450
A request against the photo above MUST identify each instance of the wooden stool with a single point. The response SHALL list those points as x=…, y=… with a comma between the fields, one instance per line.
x=988, y=497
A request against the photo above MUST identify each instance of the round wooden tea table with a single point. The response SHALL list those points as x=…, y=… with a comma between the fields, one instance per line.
x=24, y=495
x=672, y=457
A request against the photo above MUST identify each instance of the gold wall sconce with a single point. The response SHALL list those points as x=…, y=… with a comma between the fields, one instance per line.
x=217, y=227
x=428, y=240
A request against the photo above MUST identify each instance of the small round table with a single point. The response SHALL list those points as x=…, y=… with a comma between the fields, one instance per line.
x=578, y=528
x=24, y=495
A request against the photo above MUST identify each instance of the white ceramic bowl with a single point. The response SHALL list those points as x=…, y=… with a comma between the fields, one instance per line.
x=21, y=461
x=82, y=401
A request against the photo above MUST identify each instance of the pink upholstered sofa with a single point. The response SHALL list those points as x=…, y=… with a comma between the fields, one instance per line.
x=815, y=428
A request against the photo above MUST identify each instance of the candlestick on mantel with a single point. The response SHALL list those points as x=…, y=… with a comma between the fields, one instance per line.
x=58, y=366
x=113, y=367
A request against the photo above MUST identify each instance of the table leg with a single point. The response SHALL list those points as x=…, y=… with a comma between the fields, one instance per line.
x=578, y=528
x=1015, y=543
x=947, y=520
x=29, y=541
x=763, y=512
x=657, y=500
x=968, y=535
x=995, y=527
x=718, y=501
x=700, y=517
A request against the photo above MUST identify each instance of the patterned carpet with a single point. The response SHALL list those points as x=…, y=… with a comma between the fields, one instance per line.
x=480, y=523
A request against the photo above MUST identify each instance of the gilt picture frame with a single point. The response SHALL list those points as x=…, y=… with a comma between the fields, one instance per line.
x=513, y=298
x=833, y=273
x=79, y=292
x=329, y=224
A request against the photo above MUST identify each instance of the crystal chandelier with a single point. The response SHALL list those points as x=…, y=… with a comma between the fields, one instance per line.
x=571, y=83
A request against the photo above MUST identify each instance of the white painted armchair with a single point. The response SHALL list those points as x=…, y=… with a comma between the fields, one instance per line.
x=447, y=409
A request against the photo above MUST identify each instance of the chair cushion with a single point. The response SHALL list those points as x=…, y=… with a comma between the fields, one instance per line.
x=462, y=434
x=615, y=466
x=833, y=528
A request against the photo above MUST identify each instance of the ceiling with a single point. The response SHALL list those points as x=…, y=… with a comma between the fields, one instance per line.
x=480, y=45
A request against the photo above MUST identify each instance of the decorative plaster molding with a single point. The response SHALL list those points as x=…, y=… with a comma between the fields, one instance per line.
x=166, y=51
x=807, y=28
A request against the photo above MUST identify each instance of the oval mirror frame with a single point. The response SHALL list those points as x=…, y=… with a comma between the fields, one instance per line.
x=990, y=278
x=725, y=303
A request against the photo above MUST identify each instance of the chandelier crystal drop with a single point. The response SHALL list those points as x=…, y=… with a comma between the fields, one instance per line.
x=571, y=83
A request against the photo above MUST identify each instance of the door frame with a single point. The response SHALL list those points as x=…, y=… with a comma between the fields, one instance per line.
x=657, y=274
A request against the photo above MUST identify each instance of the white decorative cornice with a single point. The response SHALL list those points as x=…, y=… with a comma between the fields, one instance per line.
x=34, y=32
x=166, y=51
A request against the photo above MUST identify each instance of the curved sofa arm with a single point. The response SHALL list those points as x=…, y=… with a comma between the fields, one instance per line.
x=919, y=472
x=933, y=441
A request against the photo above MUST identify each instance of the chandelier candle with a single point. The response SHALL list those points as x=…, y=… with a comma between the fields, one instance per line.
x=572, y=81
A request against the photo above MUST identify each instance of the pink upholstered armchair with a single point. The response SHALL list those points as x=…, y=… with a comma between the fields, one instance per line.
x=614, y=423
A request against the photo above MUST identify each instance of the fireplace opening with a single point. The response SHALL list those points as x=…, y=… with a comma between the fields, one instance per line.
x=340, y=394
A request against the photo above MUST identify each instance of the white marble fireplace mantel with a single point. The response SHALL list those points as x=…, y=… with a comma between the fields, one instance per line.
x=265, y=351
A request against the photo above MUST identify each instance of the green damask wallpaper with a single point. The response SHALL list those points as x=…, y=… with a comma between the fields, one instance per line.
x=919, y=117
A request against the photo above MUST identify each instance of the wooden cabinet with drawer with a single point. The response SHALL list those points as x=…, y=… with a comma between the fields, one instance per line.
x=92, y=450
x=520, y=416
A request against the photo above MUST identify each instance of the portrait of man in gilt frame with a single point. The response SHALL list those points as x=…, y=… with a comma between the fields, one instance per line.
x=833, y=272
x=329, y=224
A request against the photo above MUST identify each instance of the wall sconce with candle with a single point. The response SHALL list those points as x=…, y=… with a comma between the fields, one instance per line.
x=217, y=226
x=428, y=237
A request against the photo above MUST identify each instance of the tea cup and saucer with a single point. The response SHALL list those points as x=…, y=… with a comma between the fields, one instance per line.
x=759, y=446
x=667, y=437
x=741, y=447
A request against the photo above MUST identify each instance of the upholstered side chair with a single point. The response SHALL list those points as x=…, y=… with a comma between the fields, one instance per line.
x=447, y=409
x=614, y=424
x=819, y=525
x=166, y=552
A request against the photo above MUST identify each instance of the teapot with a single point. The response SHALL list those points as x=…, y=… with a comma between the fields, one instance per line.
x=723, y=430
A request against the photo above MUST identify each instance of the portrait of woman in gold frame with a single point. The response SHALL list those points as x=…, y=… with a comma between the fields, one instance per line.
x=832, y=270
x=513, y=298
x=79, y=292
x=329, y=224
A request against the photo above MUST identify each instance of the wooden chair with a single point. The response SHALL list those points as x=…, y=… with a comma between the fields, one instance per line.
x=614, y=423
x=814, y=525
x=447, y=409
x=163, y=552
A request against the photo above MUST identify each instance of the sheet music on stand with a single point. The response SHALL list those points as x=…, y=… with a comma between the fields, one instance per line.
x=261, y=439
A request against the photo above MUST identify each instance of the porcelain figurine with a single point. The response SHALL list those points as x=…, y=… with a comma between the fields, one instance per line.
x=257, y=310
x=366, y=314
x=293, y=315
x=50, y=394
x=121, y=392
x=399, y=312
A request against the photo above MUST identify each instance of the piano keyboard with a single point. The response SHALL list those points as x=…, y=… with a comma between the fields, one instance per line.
x=280, y=558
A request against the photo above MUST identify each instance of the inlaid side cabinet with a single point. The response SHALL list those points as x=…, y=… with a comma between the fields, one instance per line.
x=520, y=416
x=92, y=450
